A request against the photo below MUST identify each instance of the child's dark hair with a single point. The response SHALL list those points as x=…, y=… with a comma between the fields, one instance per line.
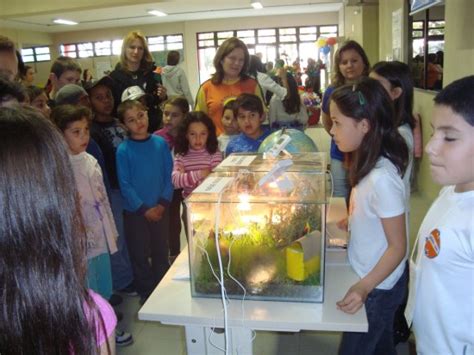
x=11, y=89
x=173, y=58
x=459, y=96
x=182, y=144
x=64, y=115
x=292, y=102
x=228, y=105
x=179, y=101
x=34, y=91
x=399, y=75
x=63, y=64
x=368, y=99
x=249, y=102
x=127, y=105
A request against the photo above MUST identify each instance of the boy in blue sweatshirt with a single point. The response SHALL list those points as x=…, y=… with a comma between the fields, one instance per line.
x=144, y=167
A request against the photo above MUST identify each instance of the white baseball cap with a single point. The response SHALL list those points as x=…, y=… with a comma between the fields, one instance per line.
x=132, y=93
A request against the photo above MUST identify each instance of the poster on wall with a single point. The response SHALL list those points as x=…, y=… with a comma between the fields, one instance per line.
x=420, y=5
x=102, y=67
x=397, y=35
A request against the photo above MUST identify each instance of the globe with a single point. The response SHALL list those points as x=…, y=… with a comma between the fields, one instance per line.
x=300, y=142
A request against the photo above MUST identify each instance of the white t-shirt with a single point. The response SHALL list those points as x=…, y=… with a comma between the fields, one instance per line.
x=407, y=134
x=443, y=319
x=380, y=194
x=277, y=113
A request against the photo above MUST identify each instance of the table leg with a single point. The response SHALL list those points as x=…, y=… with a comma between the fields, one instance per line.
x=210, y=341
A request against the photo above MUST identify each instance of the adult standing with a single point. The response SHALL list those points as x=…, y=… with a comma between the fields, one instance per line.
x=229, y=81
x=174, y=78
x=350, y=64
x=136, y=68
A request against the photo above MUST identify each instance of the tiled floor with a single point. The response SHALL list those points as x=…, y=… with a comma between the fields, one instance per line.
x=158, y=339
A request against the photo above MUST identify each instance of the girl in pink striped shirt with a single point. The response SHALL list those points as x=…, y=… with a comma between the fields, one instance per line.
x=196, y=153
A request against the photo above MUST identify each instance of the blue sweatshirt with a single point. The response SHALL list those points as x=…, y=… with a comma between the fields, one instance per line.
x=144, y=173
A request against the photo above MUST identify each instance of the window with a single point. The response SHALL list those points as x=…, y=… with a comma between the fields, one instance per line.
x=165, y=43
x=35, y=54
x=287, y=43
x=426, y=49
x=114, y=47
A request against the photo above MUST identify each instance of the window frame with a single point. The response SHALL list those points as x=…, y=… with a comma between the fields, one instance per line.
x=35, y=54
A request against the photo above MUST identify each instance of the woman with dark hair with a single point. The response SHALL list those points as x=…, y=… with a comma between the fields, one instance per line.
x=27, y=75
x=136, y=68
x=350, y=64
x=230, y=80
x=289, y=112
x=46, y=307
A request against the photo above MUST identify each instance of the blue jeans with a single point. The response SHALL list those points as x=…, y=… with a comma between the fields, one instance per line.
x=339, y=178
x=380, y=306
x=122, y=274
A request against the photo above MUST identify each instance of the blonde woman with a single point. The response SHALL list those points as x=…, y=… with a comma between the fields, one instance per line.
x=136, y=68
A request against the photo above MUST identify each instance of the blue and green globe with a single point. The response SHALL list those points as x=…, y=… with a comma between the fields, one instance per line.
x=300, y=142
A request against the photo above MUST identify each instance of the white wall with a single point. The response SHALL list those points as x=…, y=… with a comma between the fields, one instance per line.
x=189, y=29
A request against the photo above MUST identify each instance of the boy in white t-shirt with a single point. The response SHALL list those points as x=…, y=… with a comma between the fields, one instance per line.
x=442, y=286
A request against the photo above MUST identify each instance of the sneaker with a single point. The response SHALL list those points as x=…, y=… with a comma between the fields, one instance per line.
x=122, y=338
x=129, y=291
x=115, y=300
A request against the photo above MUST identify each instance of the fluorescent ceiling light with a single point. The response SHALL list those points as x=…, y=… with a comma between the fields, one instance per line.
x=256, y=4
x=60, y=21
x=157, y=13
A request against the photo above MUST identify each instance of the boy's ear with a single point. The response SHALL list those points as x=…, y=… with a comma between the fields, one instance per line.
x=396, y=92
x=263, y=117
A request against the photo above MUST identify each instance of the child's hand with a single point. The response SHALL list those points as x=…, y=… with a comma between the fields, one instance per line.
x=153, y=214
x=205, y=173
x=159, y=211
x=354, y=298
x=161, y=92
x=343, y=223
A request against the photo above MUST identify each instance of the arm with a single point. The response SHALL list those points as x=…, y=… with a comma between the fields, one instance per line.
x=394, y=229
x=180, y=177
x=325, y=115
x=167, y=194
x=216, y=159
x=269, y=84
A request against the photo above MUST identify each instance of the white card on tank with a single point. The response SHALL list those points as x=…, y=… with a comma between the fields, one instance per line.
x=238, y=160
x=213, y=184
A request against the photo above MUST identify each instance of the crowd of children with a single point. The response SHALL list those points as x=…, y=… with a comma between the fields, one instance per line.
x=130, y=184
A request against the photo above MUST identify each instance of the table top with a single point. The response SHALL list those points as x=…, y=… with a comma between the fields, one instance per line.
x=172, y=303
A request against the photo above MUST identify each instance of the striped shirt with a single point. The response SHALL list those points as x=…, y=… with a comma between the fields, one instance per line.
x=187, y=168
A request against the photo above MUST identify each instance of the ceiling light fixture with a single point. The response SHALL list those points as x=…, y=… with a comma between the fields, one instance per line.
x=60, y=21
x=157, y=13
x=256, y=4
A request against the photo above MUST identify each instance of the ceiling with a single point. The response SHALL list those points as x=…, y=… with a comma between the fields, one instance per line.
x=118, y=13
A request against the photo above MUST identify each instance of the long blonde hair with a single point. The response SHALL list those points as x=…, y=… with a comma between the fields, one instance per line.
x=147, y=60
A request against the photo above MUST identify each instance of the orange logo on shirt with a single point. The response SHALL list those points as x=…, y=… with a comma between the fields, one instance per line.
x=433, y=244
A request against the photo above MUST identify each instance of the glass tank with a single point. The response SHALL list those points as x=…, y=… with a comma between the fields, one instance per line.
x=310, y=162
x=268, y=229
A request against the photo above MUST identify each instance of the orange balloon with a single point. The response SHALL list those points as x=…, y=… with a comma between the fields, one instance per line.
x=331, y=41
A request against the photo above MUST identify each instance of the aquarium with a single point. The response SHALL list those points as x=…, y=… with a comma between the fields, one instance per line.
x=268, y=231
x=303, y=162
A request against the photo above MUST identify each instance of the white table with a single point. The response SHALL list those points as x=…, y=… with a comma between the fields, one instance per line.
x=171, y=303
